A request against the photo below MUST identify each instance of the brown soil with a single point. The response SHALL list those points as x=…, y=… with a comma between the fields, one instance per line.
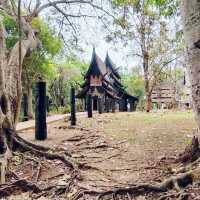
x=117, y=150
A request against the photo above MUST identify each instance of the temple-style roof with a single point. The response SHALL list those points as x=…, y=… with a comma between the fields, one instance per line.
x=111, y=66
x=111, y=84
x=116, y=80
x=96, y=65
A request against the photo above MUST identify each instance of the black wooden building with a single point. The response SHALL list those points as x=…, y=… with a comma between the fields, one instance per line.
x=103, y=90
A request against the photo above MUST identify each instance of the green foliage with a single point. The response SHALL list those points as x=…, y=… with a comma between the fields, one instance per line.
x=50, y=43
x=166, y=7
x=40, y=63
x=75, y=70
x=12, y=31
x=134, y=85
x=69, y=74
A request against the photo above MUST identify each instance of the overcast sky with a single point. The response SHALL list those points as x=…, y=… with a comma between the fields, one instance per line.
x=92, y=34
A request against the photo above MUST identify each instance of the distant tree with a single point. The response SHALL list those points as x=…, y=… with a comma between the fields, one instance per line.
x=134, y=84
x=69, y=74
x=143, y=25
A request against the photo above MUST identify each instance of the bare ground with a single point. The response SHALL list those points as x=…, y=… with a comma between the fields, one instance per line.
x=114, y=150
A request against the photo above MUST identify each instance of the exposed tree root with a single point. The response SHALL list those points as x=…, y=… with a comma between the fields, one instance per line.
x=191, y=152
x=20, y=184
x=21, y=145
x=38, y=147
x=176, y=182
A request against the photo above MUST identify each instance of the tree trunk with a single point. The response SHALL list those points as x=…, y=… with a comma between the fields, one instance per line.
x=10, y=81
x=6, y=117
x=30, y=101
x=148, y=103
x=190, y=11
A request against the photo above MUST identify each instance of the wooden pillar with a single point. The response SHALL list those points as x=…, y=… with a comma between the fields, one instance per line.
x=107, y=105
x=25, y=107
x=73, y=107
x=131, y=106
x=100, y=106
x=40, y=111
x=121, y=105
x=89, y=105
x=113, y=106
x=125, y=105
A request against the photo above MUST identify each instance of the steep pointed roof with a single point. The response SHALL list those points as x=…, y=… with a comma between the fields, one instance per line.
x=122, y=93
x=111, y=83
x=96, y=64
x=109, y=63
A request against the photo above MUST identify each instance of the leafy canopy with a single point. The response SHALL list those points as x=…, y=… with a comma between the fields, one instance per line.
x=50, y=43
x=166, y=7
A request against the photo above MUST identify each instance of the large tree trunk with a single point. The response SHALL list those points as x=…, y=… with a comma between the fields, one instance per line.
x=6, y=118
x=148, y=101
x=10, y=79
x=190, y=11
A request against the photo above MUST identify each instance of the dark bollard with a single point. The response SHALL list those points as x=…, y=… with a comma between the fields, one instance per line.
x=73, y=107
x=25, y=107
x=89, y=106
x=47, y=104
x=113, y=106
x=100, y=106
x=40, y=111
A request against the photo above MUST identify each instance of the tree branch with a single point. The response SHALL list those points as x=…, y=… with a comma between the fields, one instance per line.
x=54, y=3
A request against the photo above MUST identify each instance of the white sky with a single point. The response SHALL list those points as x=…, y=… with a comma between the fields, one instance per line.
x=92, y=34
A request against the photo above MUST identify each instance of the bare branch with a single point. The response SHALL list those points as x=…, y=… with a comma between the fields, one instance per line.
x=66, y=17
x=54, y=3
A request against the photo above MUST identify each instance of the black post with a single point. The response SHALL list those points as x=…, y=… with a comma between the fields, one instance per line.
x=25, y=107
x=113, y=106
x=73, y=107
x=89, y=105
x=100, y=109
x=40, y=111
x=47, y=104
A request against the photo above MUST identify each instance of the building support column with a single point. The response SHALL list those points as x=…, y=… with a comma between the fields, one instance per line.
x=113, y=106
x=131, y=103
x=89, y=105
x=100, y=106
x=107, y=102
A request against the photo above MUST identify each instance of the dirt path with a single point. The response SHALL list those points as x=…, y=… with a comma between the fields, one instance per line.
x=116, y=150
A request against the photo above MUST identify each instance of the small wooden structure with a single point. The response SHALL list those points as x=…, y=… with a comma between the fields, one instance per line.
x=164, y=96
x=102, y=89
